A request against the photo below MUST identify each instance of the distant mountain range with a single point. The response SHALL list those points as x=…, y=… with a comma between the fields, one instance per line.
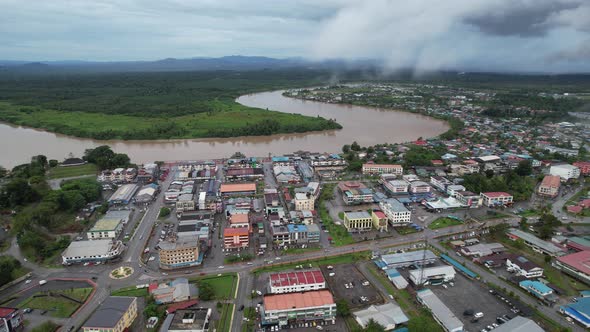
x=235, y=62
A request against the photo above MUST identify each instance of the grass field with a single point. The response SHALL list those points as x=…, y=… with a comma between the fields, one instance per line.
x=71, y=171
x=224, y=322
x=130, y=291
x=56, y=305
x=224, y=285
x=226, y=119
x=443, y=222
x=48, y=326
x=342, y=259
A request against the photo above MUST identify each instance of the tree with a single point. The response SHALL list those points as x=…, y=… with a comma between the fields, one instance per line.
x=17, y=192
x=346, y=148
x=355, y=146
x=238, y=155
x=373, y=326
x=3, y=172
x=524, y=168
x=53, y=163
x=105, y=158
x=342, y=308
x=206, y=292
x=164, y=212
x=7, y=265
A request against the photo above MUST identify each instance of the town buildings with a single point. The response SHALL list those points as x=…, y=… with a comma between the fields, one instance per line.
x=188, y=320
x=397, y=214
x=549, y=187
x=382, y=169
x=535, y=243
x=237, y=189
x=579, y=311
x=177, y=290
x=304, y=201
x=123, y=194
x=496, y=199
x=292, y=308
x=584, y=167
x=432, y=275
x=294, y=282
x=379, y=220
x=388, y=315
x=110, y=225
x=523, y=267
x=115, y=314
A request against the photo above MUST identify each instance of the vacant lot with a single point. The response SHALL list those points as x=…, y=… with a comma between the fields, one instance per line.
x=224, y=285
x=443, y=222
x=59, y=303
x=70, y=171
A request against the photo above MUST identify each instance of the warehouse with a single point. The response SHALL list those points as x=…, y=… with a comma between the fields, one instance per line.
x=123, y=195
x=79, y=252
x=291, y=282
x=441, y=313
x=406, y=259
x=388, y=315
x=147, y=194
x=110, y=225
x=576, y=265
x=432, y=275
x=535, y=243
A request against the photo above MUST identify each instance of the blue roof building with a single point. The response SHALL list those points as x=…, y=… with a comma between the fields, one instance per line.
x=578, y=311
x=539, y=290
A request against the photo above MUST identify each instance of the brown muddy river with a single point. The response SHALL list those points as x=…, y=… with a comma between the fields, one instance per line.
x=367, y=126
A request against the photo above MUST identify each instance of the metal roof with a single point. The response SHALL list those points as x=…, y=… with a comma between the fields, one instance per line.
x=439, y=310
x=110, y=312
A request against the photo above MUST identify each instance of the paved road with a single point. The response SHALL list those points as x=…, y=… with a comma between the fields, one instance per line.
x=487, y=276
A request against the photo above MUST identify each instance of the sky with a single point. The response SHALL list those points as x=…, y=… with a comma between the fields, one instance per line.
x=484, y=35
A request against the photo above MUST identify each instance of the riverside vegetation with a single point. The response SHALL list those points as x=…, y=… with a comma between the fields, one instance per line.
x=154, y=105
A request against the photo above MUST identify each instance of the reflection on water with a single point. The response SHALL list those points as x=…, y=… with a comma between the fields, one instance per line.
x=367, y=126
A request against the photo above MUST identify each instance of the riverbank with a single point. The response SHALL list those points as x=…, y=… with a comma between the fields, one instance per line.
x=228, y=119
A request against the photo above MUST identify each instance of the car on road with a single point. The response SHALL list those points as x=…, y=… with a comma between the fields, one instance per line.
x=221, y=267
x=28, y=281
x=42, y=282
x=241, y=307
x=27, y=310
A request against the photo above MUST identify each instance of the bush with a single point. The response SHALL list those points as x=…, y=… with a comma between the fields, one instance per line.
x=164, y=212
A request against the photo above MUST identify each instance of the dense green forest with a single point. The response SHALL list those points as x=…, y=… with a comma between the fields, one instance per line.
x=154, y=105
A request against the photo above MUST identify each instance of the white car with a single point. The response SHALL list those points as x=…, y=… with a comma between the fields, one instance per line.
x=220, y=267
x=28, y=281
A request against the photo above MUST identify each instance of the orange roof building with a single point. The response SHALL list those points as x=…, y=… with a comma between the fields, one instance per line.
x=236, y=238
x=316, y=306
x=550, y=186
x=238, y=189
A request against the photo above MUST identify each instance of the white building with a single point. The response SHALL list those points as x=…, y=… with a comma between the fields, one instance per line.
x=396, y=186
x=304, y=201
x=440, y=183
x=294, y=282
x=565, y=171
x=420, y=187
x=388, y=315
x=397, y=214
x=91, y=251
x=523, y=267
x=430, y=275
x=382, y=169
x=496, y=198
x=453, y=189
x=441, y=313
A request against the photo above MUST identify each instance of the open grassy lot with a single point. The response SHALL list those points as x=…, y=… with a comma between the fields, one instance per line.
x=224, y=321
x=57, y=305
x=443, y=222
x=130, y=291
x=70, y=171
x=224, y=285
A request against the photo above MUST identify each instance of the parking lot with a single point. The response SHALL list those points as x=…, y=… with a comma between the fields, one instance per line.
x=346, y=282
x=470, y=295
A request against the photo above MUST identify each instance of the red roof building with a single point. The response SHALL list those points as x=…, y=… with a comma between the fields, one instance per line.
x=574, y=209
x=294, y=301
x=299, y=281
x=11, y=319
x=584, y=167
x=576, y=265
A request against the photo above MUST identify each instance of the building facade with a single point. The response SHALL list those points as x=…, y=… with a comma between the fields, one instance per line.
x=184, y=252
x=382, y=169
x=549, y=187
x=293, y=308
x=359, y=221
x=236, y=238
x=115, y=314
x=295, y=282
x=565, y=171
x=495, y=199
x=397, y=214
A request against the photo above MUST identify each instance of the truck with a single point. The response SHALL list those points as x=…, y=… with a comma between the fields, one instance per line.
x=42, y=282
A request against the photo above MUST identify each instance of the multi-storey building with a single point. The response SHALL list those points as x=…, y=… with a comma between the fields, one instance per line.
x=496, y=198
x=565, y=171
x=584, y=167
x=235, y=238
x=290, y=309
x=294, y=282
x=549, y=187
x=397, y=214
x=355, y=193
x=304, y=201
x=382, y=169
x=379, y=220
x=179, y=253
x=358, y=221
x=396, y=186
x=467, y=198
x=420, y=187
x=440, y=183
x=115, y=314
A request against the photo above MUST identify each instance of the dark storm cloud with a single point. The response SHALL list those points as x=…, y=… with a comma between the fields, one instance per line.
x=579, y=54
x=521, y=18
